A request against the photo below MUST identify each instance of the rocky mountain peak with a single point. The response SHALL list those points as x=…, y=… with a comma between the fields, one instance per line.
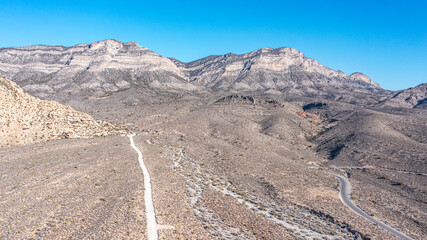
x=85, y=70
x=110, y=45
x=269, y=69
x=280, y=52
x=357, y=76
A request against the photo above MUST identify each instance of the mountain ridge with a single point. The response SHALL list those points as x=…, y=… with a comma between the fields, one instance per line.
x=107, y=67
x=357, y=76
x=414, y=97
x=84, y=70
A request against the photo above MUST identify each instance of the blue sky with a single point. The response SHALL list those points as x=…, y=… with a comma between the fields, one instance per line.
x=387, y=40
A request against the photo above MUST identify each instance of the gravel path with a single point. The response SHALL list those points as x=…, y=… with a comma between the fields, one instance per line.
x=148, y=198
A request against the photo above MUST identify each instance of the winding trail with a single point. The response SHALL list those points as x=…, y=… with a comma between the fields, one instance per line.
x=345, y=198
x=148, y=198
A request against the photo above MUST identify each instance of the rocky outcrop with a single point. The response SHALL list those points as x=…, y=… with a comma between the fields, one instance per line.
x=412, y=97
x=25, y=119
x=240, y=99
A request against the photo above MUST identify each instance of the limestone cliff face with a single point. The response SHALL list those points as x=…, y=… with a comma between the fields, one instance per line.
x=25, y=119
x=268, y=69
x=106, y=67
x=96, y=69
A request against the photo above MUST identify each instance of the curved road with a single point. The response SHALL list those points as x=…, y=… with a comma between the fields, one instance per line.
x=345, y=197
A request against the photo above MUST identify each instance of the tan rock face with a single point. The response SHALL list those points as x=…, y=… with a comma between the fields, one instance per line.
x=25, y=119
x=357, y=76
x=111, y=67
x=268, y=68
x=97, y=56
x=99, y=68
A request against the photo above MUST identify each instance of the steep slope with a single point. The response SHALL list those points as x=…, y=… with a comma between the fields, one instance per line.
x=412, y=97
x=87, y=70
x=382, y=153
x=281, y=70
x=361, y=137
x=25, y=119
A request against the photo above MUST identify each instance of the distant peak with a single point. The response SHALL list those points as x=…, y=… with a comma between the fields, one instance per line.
x=109, y=44
x=279, y=51
x=134, y=44
x=358, y=76
x=108, y=41
x=229, y=54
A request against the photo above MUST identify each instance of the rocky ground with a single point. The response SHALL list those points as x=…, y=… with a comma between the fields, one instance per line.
x=233, y=167
x=25, y=119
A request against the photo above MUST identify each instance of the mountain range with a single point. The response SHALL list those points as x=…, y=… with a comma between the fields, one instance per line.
x=106, y=67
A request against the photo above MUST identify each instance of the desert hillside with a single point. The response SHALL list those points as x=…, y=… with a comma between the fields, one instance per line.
x=25, y=119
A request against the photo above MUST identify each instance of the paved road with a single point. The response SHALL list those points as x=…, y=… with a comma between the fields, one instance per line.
x=377, y=168
x=148, y=198
x=345, y=197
